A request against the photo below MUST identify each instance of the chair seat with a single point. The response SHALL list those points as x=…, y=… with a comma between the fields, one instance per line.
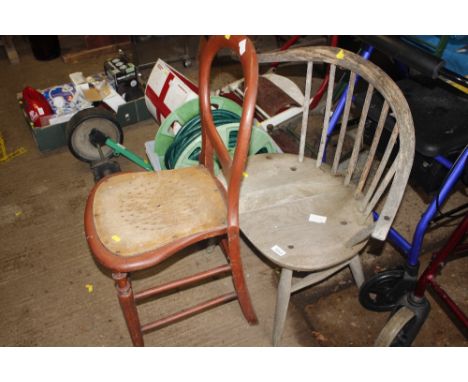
x=277, y=198
x=140, y=212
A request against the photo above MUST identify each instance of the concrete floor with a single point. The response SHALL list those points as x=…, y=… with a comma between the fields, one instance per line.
x=46, y=264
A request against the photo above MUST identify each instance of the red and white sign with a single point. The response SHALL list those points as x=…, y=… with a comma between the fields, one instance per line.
x=167, y=89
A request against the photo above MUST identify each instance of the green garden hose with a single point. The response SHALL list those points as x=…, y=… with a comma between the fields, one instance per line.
x=192, y=130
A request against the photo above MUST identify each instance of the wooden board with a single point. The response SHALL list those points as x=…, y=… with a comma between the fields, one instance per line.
x=75, y=57
x=7, y=42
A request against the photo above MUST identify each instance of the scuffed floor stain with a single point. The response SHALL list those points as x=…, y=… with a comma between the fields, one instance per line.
x=10, y=213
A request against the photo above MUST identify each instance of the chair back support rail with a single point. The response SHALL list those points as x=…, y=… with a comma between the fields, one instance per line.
x=371, y=180
x=211, y=141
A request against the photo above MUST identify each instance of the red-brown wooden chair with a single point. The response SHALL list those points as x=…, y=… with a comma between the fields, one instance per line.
x=134, y=221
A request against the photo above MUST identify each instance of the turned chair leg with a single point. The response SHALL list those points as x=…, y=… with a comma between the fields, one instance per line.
x=232, y=250
x=129, y=309
x=356, y=269
x=282, y=303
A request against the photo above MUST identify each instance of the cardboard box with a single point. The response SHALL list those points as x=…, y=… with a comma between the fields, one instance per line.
x=167, y=89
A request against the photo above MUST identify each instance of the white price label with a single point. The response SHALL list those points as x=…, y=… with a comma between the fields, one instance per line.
x=278, y=250
x=317, y=219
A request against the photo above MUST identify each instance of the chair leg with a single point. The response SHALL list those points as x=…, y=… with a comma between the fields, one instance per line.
x=129, y=309
x=232, y=250
x=356, y=269
x=282, y=303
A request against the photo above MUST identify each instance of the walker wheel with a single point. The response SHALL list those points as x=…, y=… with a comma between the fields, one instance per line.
x=381, y=292
x=80, y=126
x=400, y=329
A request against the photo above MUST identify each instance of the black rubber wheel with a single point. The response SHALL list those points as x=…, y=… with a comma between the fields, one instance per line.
x=104, y=169
x=400, y=329
x=379, y=293
x=80, y=126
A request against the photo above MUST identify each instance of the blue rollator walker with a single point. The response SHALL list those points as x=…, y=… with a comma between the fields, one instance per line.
x=393, y=290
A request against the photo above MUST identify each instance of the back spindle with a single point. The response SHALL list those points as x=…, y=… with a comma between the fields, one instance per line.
x=326, y=121
x=381, y=168
x=344, y=123
x=373, y=148
x=381, y=189
x=358, y=138
x=305, y=110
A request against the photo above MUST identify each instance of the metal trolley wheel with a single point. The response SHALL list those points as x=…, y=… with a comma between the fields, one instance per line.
x=379, y=293
x=80, y=126
x=398, y=331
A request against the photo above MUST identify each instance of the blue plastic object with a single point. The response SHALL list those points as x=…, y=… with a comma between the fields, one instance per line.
x=455, y=59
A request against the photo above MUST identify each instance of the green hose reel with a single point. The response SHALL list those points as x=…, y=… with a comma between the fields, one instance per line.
x=182, y=149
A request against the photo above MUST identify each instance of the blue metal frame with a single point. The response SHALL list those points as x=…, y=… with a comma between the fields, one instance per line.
x=452, y=178
x=413, y=250
x=444, y=161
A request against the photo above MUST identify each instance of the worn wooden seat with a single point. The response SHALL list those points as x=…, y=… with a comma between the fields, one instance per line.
x=134, y=221
x=277, y=199
x=139, y=212
x=306, y=215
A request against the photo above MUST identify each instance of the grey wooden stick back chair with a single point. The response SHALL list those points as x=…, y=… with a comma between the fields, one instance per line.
x=313, y=218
